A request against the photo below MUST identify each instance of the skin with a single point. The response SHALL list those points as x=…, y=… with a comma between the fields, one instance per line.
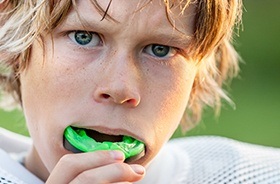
x=115, y=85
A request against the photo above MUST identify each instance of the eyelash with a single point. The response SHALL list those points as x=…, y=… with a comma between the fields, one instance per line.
x=171, y=51
x=74, y=35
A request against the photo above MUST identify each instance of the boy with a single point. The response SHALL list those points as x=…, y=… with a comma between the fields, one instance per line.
x=113, y=69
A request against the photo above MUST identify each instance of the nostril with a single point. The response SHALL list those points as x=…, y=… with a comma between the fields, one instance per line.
x=131, y=101
x=129, y=98
x=106, y=96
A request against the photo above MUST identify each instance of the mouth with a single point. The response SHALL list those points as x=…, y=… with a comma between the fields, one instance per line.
x=79, y=140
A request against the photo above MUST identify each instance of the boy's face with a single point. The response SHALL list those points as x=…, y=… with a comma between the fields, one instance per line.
x=123, y=78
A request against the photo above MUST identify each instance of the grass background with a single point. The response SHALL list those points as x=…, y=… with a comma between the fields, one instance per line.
x=256, y=92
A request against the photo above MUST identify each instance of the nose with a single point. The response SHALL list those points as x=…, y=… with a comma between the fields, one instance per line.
x=119, y=83
x=117, y=96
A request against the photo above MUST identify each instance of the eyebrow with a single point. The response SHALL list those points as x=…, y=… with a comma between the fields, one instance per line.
x=76, y=20
x=174, y=38
x=162, y=36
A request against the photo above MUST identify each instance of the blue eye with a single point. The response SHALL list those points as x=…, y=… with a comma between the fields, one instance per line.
x=160, y=50
x=85, y=38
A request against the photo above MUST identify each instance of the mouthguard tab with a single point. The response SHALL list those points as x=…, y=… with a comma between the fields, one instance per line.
x=77, y=140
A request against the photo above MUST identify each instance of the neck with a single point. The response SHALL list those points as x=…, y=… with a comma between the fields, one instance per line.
x=35, y=165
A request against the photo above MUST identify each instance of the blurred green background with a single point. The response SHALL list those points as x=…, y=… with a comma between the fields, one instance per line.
x=256, y=93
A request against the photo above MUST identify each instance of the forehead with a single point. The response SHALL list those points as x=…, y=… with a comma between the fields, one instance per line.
x=152, y=14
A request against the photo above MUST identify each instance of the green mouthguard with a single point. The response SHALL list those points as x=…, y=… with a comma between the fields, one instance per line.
x=83, y=143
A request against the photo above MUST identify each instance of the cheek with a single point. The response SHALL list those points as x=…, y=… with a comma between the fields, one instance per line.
x=172, y=94
x=47, y=88
x=178, y=87
x=48, y=84
x=177, y=99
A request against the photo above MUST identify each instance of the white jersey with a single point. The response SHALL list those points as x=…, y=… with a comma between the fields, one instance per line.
x=214, y=160
x=191, y=160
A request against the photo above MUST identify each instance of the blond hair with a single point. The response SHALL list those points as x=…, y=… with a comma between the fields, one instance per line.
x=24, y=21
